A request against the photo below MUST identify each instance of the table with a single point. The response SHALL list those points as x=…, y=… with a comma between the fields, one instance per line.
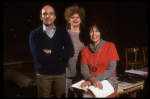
x=143, y=69
x=131, y=88
x=125, y=87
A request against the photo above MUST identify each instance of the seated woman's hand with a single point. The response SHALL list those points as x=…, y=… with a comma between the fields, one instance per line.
x=96, y=83
x=86, y=83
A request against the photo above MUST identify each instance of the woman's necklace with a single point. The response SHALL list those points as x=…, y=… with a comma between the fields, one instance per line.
x=97, y=58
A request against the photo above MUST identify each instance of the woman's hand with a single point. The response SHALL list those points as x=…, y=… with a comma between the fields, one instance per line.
x=96, y=83
x=86, y=83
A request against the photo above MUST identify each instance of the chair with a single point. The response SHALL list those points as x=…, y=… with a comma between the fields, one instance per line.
x=131, y=58
x=145, y=55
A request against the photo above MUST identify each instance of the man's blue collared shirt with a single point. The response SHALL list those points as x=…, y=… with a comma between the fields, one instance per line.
x=49, y=32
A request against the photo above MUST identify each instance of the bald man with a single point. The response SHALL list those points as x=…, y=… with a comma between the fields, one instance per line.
x=51, y=47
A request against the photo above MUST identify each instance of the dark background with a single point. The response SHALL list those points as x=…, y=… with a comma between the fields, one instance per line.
x=125, y=24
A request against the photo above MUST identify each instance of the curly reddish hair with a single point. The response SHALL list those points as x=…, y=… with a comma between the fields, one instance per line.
x=70, y=11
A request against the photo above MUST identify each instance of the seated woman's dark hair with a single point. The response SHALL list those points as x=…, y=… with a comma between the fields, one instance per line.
x=98, y=25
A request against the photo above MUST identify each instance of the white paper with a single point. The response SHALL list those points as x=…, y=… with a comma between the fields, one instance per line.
x=136, y=72
x=107, y=90
x=98, y=93
x=77, y=85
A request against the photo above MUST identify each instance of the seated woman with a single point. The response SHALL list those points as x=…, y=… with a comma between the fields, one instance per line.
x=98, y=60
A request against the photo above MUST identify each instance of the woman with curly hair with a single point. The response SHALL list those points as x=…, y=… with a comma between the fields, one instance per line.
x=75, y=17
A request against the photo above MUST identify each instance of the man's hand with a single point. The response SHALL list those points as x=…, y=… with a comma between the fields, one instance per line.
x=96, y=83
x=48, y=51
